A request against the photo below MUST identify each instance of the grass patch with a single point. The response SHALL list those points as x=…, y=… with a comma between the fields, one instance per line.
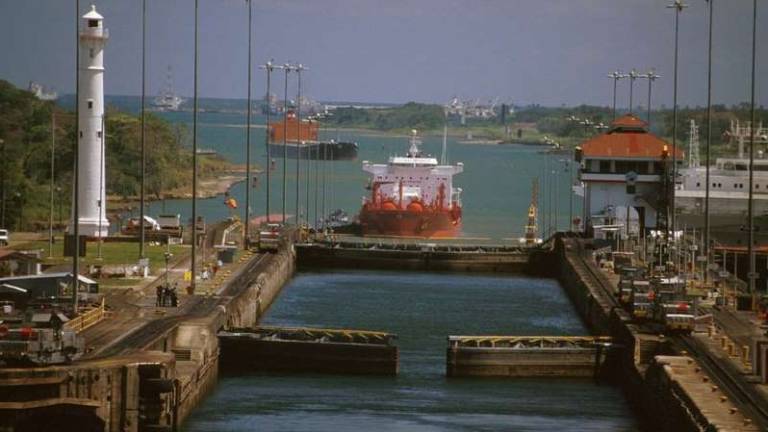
x=113, y=253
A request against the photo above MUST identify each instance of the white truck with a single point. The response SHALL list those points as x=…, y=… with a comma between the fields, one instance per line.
x=4, y=237
x=170, y=224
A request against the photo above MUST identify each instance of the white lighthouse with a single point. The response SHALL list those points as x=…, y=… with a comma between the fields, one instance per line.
x=90, y=158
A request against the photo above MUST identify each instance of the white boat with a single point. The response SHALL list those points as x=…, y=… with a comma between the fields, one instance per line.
x=728, y=190
x=40, y=92
x=167, y=100
x=728, y=186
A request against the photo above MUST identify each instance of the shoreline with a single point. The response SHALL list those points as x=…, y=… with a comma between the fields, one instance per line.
x=210, y=187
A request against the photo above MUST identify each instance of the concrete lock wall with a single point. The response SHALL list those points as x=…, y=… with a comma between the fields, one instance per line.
x=110, y=394
x=262, y=286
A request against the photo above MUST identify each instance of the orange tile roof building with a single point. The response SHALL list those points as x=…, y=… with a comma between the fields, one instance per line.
x=622, y=174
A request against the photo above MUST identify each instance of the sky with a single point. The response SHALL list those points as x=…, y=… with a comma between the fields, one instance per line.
x=548, y=52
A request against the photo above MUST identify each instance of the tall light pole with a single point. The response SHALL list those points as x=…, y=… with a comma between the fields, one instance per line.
x=633, y=75
x=616, y=76
x=298, y=69
x=288, y=68
x=246, y=229
x=101, y=184
x=709, y=146
x=193, y=268
x=76, y=174
x=570, y=193
x=325, y=181
x=752, y=128
x=53, y=176
x=269, y=67
x=143, y=168
x=651, y=76
x=678, y=6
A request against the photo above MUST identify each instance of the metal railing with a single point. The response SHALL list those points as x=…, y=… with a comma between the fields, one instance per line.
x=528, y=342
x=318, y=335
x=87, y=319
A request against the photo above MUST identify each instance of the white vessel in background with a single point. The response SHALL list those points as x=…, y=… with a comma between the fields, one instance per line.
x=40, y=92
x=729, y=183
x=167, y=100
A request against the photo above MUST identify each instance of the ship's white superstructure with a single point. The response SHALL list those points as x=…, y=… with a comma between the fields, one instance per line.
x=167, y=100
x=728, y=188
x=90, y=159
x=41, y=92
x=420, y=177
x=412, y=196
x=728, y=181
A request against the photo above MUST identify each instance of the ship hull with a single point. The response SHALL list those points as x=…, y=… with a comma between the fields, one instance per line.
x=403, y=223
x=316, y=151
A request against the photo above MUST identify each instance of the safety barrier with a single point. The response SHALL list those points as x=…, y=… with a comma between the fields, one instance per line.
x=87, y=319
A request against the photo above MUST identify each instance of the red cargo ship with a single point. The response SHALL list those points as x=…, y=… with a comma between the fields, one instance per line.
x=412, y=196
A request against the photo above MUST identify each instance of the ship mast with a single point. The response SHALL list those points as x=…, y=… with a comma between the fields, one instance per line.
x=444, y=155
x=693, y=146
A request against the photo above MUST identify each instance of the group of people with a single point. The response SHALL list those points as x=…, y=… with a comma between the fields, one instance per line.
x=166, y=295
x=210, y=271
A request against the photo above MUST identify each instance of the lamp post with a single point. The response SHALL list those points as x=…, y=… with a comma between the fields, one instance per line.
x=76, y=172
x=709, y=146
x=21, y=211
x=678, y=6
x=616, y=76
x=246, y=229
x=100, y=203
x=193, y=268
x=752, y=275
x=287, y=68
x=269, y=67
x=61, y=207
x=633, y=75
x=168, y=257
x=53, y=177
x=651, y=77
x=5, y=165
x=298, y=69
x=143, y=168
x=568, y=169
x=325, y=181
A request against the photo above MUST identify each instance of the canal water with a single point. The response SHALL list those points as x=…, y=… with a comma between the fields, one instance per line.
x=422, y=309
x=496, y=182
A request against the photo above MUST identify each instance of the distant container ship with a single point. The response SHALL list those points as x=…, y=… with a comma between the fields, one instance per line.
x=302, y=141
x=412, y=196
